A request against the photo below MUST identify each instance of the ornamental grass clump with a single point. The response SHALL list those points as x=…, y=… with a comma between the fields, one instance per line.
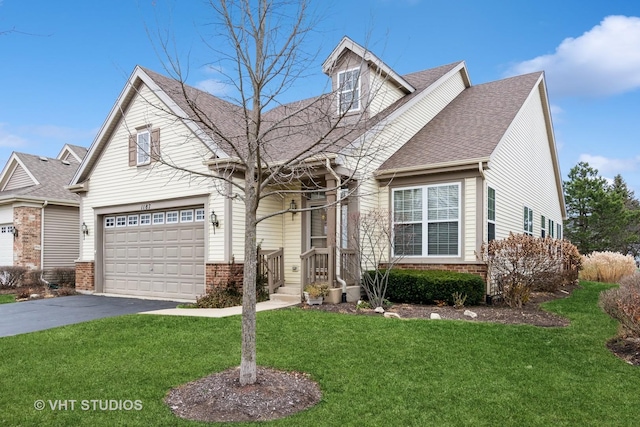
x=623, y=304
x=607, y=267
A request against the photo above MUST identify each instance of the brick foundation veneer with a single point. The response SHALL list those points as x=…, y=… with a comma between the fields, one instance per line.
x=219, y=274
x=26, y=247
x=477, y=269
x=85, y=276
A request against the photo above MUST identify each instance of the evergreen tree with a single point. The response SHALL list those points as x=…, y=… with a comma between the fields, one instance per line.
x=596, y=215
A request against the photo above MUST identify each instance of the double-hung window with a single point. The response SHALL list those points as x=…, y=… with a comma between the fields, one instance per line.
x=143, y=148
x=528, y=221
x=491, y=214
x=543, y=227
x=426, y=221
x=551, y=227
x=349, y=90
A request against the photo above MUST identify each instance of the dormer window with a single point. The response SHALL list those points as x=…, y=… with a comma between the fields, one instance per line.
x=349, y=90
x=144, y=148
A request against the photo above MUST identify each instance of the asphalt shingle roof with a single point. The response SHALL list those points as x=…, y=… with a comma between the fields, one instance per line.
x=470, y=127
x=297, y=125
x=52, y=174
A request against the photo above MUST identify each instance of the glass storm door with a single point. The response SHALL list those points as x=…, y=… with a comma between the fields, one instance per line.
x=318, y=227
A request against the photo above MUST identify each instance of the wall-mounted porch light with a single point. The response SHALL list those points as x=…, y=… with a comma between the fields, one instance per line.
x=214, y=221
x=292, y=208
x=85, y=229
x=15, y=232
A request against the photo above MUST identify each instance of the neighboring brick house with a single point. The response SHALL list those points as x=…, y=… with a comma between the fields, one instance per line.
x=39, y=217
x=456, y=164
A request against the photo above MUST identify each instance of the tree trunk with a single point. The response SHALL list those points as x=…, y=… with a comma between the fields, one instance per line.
x=248, y=356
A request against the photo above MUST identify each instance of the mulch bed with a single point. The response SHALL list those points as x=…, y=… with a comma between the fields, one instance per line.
x=220, y=397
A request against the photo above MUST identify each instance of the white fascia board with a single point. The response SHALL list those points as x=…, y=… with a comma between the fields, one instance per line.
x=369, y=57
x=117, y=111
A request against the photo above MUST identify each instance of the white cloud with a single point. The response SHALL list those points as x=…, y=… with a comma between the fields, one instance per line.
x=213, y=86
x=603, y=61
x=610, y=166
x=8, y=139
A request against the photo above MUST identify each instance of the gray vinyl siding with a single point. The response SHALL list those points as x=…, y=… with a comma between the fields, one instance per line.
x=19, y=179
x=61, y=236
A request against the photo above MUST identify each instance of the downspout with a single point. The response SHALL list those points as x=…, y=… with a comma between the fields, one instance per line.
x=481, y=170
x=338, y=227
x=44, y=205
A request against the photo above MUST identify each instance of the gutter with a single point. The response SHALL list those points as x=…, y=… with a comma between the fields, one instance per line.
x=456, y=165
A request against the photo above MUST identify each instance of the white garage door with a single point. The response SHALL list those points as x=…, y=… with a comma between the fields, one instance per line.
x=155, y=254
x=6, y=245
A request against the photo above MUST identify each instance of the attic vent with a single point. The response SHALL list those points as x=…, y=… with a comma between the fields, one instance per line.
x=65, y=162
x=44, y=159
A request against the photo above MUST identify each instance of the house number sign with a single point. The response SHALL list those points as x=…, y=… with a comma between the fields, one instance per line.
x=145, y=207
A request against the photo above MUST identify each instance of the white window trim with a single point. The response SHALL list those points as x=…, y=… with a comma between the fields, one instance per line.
x=425, y=219
x=529, y=212
x=146, y=220
x=199, y=215
x=133, y=223
x=140, y=151
x=186, y=212
x=489, y=220
x=159, y=216
x=121, y=221
x=356, y=89
x=175, y=220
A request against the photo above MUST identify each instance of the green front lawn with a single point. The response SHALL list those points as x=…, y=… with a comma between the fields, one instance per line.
x=373, y=371
x=7, y=298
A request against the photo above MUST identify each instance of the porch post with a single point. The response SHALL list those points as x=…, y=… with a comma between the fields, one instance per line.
x=331, y=226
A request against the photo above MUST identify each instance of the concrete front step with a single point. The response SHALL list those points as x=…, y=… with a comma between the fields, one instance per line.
x=285, y=298
x=289, y=290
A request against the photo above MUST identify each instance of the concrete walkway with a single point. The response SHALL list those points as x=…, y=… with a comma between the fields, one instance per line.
x=219, y=312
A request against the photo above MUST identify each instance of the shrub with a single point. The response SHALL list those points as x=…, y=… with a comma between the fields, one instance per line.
x=427, y=286
x=607, y=267
x=230, y=295
x=32, y=278
x=12, y=277
x=520, y=264
x=65, y=276
x=623, y=304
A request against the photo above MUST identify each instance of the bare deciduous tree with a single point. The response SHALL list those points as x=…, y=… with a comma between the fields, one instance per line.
x=373, y=239
x=265, y=56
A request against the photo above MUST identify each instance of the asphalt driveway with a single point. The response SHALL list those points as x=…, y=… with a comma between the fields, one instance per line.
x=29, y=316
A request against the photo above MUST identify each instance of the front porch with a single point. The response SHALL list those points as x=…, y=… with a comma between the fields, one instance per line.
x=335, y=266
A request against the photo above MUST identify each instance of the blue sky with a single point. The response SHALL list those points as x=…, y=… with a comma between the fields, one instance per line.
x=65, y=62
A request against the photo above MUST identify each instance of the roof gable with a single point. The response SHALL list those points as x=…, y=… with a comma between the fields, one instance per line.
x=201, y=106
x=72, y=153
x=348, y=45
x=469, y=128
x=45, y=179
x=16, y=175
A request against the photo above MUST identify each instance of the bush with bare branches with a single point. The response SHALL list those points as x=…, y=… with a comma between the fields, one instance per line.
x=608, y=267
x=520, y=264
x=623, y=304
x=12, y=277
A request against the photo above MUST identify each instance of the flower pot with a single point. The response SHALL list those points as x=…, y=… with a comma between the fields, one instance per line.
x=312, y=301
